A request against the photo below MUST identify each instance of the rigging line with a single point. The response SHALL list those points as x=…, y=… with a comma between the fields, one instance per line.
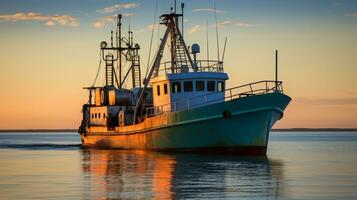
x=100, y=63
x=116, y=78
x=215, y=17
x=158, y=35
x=124, y=65
x=151, y=39
x=207, y=41
x=224, y=49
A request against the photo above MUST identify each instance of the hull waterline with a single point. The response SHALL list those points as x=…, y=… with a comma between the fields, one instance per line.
x=239, y=126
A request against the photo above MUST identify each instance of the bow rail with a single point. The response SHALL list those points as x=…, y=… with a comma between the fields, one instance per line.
x=250, y=89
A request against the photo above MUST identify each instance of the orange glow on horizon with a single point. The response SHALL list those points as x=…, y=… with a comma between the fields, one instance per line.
x=43, y=69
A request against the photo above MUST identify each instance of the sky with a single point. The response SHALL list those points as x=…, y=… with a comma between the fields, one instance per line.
x=50, y=50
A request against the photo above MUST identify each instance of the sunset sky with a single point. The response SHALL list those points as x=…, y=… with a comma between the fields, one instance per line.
x=50, y=50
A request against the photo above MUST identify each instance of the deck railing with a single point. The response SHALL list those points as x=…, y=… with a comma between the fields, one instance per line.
x=250, y=89
x=202, y=66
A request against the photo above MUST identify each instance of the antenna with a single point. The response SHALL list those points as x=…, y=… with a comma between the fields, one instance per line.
x=182, y=8
x=175, y=5
x=276, y=69
x=130, y=13
x=118, y=39
x=130, y=33
x=207, y=41
x=111, y=38
x=129, y=29
x=152, y=36
x=215, y=16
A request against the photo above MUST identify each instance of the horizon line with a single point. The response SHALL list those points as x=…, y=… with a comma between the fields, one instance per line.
x=273, y=130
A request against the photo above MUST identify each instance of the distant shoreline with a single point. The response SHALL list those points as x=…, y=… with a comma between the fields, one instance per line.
x=36, y=130
x=274, y=130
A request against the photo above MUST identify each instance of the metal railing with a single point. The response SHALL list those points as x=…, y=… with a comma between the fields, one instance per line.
x=202, y=66
x=250, y=89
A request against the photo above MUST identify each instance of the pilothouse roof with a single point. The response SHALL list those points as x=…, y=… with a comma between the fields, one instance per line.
x=192, y=75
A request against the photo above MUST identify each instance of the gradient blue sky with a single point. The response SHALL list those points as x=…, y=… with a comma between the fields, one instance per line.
x=43, y=68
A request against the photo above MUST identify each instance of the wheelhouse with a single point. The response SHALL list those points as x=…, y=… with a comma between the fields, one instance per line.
x=180, y=91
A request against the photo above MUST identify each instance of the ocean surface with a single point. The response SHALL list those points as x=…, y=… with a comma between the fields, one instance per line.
x=298, y=165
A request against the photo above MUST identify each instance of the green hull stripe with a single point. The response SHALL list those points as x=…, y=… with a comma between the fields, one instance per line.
x=189, y=122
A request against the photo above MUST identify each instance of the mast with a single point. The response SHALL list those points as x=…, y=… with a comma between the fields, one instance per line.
x=111, y=54
x=182, y=20
x=178, y=50
x=173, y=47
x=276, y=69
x=155, y=65
x=119, y=52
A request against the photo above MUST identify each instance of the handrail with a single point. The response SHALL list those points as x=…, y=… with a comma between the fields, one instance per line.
x=202, y=66
x=267, y=86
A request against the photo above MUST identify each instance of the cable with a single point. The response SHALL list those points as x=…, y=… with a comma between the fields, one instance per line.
x=215, y=17
x=151, y=39
x=100, y=63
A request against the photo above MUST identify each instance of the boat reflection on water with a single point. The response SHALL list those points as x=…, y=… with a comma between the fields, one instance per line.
x=123, y=174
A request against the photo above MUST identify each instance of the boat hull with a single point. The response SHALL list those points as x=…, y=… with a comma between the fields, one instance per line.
x=239, y=126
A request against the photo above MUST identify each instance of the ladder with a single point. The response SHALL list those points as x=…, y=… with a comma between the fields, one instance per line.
x=109, y=73
x=136, y=73
x=180, y=55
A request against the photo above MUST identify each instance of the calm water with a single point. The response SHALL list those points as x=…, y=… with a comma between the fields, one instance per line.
x=298, y=166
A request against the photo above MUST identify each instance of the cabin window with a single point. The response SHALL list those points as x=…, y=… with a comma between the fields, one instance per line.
x=98, y=115
x=95, y=115
x=200, y=86
x=92, y=115
x=165, y=88
x=103, y=115
x=211, y=86
x=158, y=90
x=187, y=86
x=176, y=87
x=220, y=86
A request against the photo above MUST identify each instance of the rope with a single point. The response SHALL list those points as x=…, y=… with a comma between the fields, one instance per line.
x=100, y=63
x=151, y=39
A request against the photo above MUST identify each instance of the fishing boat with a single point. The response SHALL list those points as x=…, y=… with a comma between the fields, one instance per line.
x=181, y=105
